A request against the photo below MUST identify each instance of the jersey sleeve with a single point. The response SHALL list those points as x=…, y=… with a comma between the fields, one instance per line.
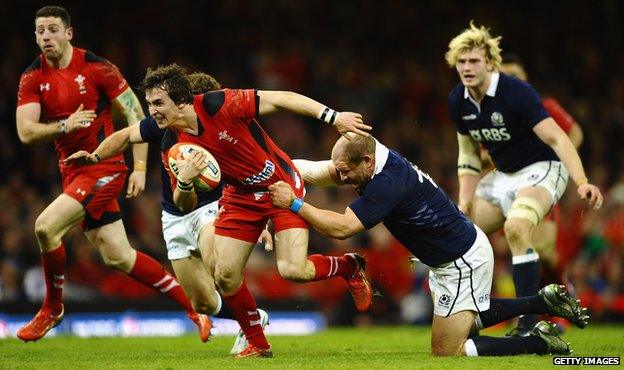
x=560, y=115
x=242, y=103
x=28, y=91
x=530, y=105
x=378, y=200
x=109, y=79
x=150, y=132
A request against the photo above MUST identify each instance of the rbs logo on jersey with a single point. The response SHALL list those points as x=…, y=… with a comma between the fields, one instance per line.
x=490, y=134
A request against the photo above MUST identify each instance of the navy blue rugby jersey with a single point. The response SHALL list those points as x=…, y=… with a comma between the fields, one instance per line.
x=503, y=122
x=151, y=133
x=414, y=209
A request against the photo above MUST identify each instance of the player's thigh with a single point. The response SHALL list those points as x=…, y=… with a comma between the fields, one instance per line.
x=291, y=246
x=206, y=241
x=448, y=334
x=59, y=216
x=194, y=277
x=539, y=194
x=231, y=255
x=112, y=242
x=487, y=216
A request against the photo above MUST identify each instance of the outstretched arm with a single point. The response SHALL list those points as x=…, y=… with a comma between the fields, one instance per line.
x=112, y=145
x=332, y=224
x=272, y=101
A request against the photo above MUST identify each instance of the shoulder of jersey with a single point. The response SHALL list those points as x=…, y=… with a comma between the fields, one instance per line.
x=35, y=65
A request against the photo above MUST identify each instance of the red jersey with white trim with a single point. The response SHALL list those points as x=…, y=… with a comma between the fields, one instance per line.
x=248, y=158
x=88, y=80
x=560, y=115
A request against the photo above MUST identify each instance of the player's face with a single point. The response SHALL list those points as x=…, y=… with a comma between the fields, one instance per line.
x=52, y=36
x=161, y=107
x=515, y=70
x=473, y=68
x=358, y=175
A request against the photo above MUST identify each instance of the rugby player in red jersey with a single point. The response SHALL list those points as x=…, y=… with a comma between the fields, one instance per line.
x=66, y=96
x=223, y=122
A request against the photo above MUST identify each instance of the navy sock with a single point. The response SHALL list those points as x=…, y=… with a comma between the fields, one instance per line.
x=225, y=313
x=502, y=309
x=526, y=277
x=491, y=346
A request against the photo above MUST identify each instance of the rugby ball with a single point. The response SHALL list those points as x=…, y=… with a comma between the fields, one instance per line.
x=209, y=178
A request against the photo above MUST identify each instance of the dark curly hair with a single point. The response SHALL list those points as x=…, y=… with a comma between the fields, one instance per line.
x=172, y=79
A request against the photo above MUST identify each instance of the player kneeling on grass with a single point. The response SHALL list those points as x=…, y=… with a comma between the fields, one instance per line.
x=425, y=220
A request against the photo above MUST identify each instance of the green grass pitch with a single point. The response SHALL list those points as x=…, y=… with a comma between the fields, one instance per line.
x=337, y=348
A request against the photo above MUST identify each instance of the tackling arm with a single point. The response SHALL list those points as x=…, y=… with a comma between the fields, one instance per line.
x=333, y=224
x=318, y=173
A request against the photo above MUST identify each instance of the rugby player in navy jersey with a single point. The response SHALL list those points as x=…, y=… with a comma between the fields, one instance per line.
x=532, y=154
x=427, y=223
x=188, y=233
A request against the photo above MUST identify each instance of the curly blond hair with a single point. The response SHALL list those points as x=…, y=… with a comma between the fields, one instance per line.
x=475, y=38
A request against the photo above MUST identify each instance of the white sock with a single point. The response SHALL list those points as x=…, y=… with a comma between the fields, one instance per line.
x=219, y=304
x=471, y=348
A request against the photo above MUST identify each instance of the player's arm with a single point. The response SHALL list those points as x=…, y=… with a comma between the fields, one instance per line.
x=468, y=170
x=318, y=173
x=184, y=195
x=576, y=135
x=31, y=131
x=273, y=101
x=332, y=224
x=550, y=133
x=115, y=144
x=129, y=106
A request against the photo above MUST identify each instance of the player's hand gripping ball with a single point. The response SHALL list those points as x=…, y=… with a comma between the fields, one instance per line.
x=208, y=178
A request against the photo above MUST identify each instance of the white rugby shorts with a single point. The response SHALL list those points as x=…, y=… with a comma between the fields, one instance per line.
x=500, y=188
x=181, y=233
x=465, y=283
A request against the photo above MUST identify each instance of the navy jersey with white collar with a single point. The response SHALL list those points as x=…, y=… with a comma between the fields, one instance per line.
x=151, y=133
x=414, y=209
x=503, y=122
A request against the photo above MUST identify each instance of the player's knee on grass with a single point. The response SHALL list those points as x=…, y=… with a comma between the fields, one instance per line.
x=448, y=334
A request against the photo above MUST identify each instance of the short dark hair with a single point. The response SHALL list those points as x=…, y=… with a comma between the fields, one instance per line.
x=202, y=83
x=358, y=147
x=54, y=11
x=172, y=79
x=510, y=58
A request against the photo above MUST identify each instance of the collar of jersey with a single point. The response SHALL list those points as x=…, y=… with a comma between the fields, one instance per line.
x=381, y=157
x=491, y=91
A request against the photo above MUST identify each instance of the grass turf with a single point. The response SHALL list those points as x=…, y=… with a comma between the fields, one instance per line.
x=337, y=348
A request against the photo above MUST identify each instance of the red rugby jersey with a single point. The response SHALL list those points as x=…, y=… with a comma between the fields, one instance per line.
x=248, y=158
x=89, y=80
x=556, y=111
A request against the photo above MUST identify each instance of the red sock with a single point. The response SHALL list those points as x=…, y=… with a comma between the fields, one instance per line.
x=149, y=272
x=328, y=266
x=53, y=271
x=243, y=306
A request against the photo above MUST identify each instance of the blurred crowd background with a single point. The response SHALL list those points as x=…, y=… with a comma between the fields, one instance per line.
x=384, y=59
